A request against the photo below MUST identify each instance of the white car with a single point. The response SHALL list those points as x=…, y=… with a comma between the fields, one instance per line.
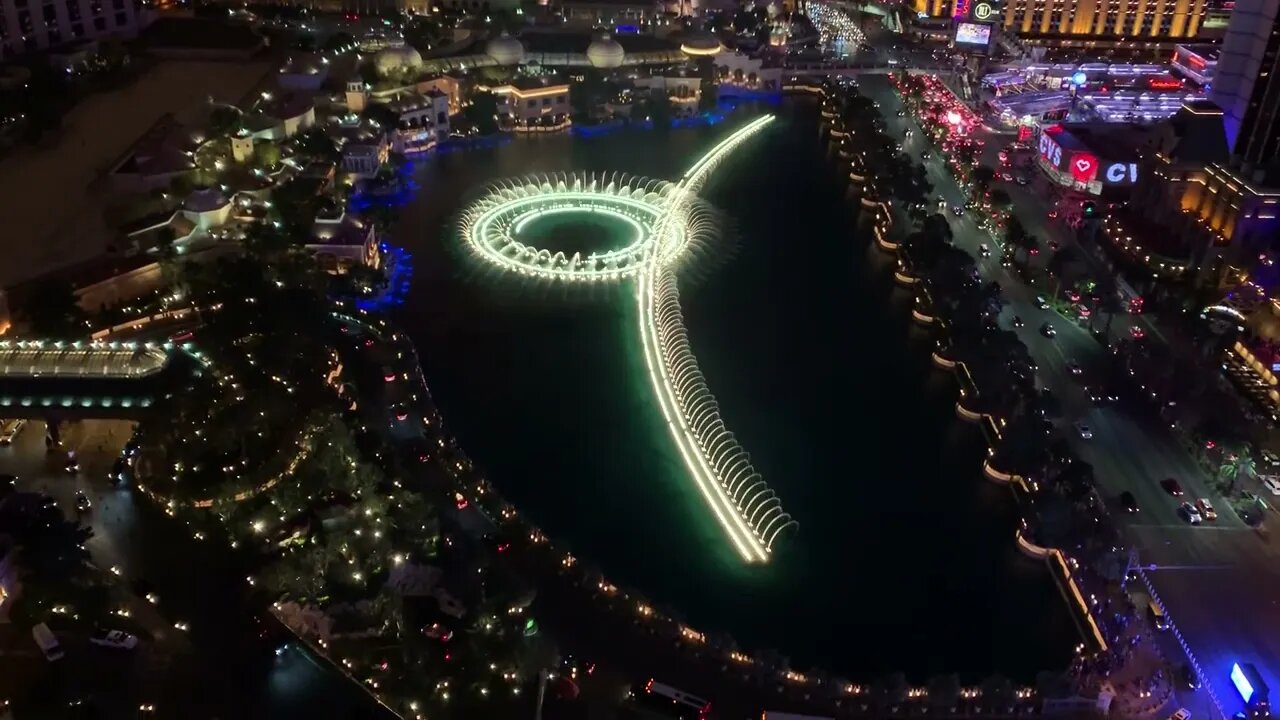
x=1181, y=714
x=1190, y=512
x=114, y=639
x=1272, y=482
x=1084, y=431
x=9, y=430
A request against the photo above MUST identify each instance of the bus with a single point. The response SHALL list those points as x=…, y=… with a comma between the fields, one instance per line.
x=48, y=643
x=670, y=702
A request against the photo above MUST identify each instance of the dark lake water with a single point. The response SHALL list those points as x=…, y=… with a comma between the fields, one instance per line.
x=904, y=559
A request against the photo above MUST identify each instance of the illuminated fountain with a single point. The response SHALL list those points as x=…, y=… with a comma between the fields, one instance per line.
x=660, y=221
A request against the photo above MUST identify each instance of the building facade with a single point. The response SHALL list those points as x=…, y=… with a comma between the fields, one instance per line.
x=31, y=25
x=1245, y=85
x=1130, y=19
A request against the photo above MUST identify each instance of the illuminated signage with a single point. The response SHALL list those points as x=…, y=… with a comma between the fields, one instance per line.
x=1241, y=681
x=1121, y=172
x=968, y=33
x=960, y=9
x=982, y=11
x=1164, y=84
x=1083, y=167
x=1050, y=150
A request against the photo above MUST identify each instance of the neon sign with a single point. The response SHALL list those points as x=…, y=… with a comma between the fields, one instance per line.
x=1050, y=150
x=1164, y=84
x=1083, y=167
x=960, y=9
x=982, y=11
x=1116, y=172
x=1241, y=681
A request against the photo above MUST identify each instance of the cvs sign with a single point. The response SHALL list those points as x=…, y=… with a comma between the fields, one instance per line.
x=1050, y=150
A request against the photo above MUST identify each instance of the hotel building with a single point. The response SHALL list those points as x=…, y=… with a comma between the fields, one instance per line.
x=1140, y=24
x=31, y=25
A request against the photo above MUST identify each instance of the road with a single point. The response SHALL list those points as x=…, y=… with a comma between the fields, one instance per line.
x=1218, y=581
x=221, y=667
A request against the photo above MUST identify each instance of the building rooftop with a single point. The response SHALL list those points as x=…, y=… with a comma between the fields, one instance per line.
x=82, y=360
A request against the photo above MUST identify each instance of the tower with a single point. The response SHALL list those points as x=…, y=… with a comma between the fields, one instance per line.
x=356, y=95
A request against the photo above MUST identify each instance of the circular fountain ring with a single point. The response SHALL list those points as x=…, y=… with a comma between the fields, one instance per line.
x=495, y=228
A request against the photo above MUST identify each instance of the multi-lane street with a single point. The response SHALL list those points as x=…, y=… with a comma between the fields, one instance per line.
x=1219, y=579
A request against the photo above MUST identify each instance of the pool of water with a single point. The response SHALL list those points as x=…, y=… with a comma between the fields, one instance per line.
x=904, y=559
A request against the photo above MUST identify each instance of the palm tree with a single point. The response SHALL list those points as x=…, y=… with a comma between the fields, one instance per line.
x=1000, y=199
x=52, y=311
x=982, y=177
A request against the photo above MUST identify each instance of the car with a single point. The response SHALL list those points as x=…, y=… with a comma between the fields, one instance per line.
x=72, y=465
x=902, y=113
x=117, y=473
x=1017, y=321
x=399, y=411
x=82, y=502
x=1042, y=303
x=1271, y=482
x=1007, y=177
x=1181, y=714
x=1137, y=332
x=1188, y=677
x=957, y=210
x=926, y=155
x=1206, y=509
x=117, y=639
x=131, y=448
x=1189, y=511
x=388, y=374
x=1083, y=431
x=1053, y=214
x=9, y=430
x=1023, y=180
x=1074, y=368
x=1128, y=502
x=1171, y=486
x=1047, y=330
x=984, y=250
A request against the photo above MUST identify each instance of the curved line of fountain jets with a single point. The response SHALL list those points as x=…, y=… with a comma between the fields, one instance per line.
x=760, y=518
x=752, y=498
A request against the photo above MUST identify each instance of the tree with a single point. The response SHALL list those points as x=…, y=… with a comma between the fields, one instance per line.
x=483, y=113
x=267, y=155
x=315, y=144
x=1017, y=237
x=1000, y=199
x=52, y=311
x=340, y=40
x=982, y=177
x=707, y=95
x=224, y=120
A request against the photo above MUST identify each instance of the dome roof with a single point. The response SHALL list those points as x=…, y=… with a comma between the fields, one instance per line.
x=700, y=43
x=396, y=58
x=505, y=50
x=605, y=52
